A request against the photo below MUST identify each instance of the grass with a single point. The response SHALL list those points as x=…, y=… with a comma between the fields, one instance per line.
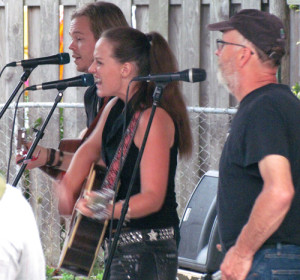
x=51, y=273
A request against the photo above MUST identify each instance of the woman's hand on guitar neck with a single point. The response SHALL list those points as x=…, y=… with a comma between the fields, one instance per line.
x=39, y=157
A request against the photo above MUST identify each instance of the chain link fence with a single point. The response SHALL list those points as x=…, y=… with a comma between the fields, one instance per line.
x=209, y=128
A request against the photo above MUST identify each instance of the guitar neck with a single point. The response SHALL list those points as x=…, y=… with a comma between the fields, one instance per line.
x=65, y=145
x=69, y=145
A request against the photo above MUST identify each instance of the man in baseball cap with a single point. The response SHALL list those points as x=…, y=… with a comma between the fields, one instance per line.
x=263, y=29
x=259, y=173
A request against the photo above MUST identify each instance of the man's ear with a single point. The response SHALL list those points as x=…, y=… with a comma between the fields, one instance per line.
x=127, y=69
x=244, y=56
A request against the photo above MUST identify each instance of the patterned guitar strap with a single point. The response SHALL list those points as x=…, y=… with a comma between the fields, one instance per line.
x=111, y=179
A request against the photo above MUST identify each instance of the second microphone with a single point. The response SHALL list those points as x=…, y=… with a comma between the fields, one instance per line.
x=84, y=80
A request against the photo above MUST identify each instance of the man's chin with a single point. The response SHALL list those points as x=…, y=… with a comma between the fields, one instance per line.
x=222, y=81
x=81, y=69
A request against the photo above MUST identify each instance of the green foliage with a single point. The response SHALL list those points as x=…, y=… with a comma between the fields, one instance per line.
x=67, y=276
x=33, y=128
x=26, y=184
x=37, y=123
x=49, y=272
x=61, y=123
x=295, y=7
x=52, y=273
x=296, y=90
x=2, y=173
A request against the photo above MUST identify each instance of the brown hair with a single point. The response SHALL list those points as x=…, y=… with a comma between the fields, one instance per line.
x=102, y=16
x=152, y=54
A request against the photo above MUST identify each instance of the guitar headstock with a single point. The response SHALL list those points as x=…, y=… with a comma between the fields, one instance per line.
x=21, y=141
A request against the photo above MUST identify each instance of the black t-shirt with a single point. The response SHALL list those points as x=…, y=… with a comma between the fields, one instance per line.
x=92, y=103
x=111, y=138
x=267, y=122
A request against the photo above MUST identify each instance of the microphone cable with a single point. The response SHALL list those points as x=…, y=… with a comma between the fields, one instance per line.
x=12, y=135
x=2, y=70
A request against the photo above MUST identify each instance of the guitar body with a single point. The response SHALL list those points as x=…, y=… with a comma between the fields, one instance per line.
x=86, y=235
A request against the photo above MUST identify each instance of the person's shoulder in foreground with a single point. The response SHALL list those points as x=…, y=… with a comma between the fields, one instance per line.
x=21, y=254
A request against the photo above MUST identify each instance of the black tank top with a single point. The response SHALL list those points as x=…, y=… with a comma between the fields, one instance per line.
x=112, y=133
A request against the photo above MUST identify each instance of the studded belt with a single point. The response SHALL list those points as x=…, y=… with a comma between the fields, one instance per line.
x=138, y=236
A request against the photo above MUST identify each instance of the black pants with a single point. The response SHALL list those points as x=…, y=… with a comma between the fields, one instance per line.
x=148, y=260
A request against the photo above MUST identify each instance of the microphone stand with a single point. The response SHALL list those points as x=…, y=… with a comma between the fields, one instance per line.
x=24, y=77
x=39, y=135
x=156, y=98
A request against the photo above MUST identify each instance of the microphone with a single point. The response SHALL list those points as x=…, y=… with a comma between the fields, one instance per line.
x=61, y=58
x=193, y=75
x=84, y=80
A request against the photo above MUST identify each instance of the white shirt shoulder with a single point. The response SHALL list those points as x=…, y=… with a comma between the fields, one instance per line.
x=21, y=254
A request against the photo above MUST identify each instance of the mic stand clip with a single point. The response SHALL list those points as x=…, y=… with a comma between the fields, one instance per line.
x=24, y=77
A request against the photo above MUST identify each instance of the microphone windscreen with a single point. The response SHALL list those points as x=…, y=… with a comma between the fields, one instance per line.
x=64, y=58
x=88, y=79
x=199, y=75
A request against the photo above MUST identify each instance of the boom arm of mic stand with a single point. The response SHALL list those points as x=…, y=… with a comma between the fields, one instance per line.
x=156, y=97
x=38, y=137
x=24, y=77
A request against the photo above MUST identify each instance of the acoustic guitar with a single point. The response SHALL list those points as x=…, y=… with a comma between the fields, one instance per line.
x=86, y=235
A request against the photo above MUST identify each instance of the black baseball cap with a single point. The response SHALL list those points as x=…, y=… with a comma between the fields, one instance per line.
x=264, y=30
